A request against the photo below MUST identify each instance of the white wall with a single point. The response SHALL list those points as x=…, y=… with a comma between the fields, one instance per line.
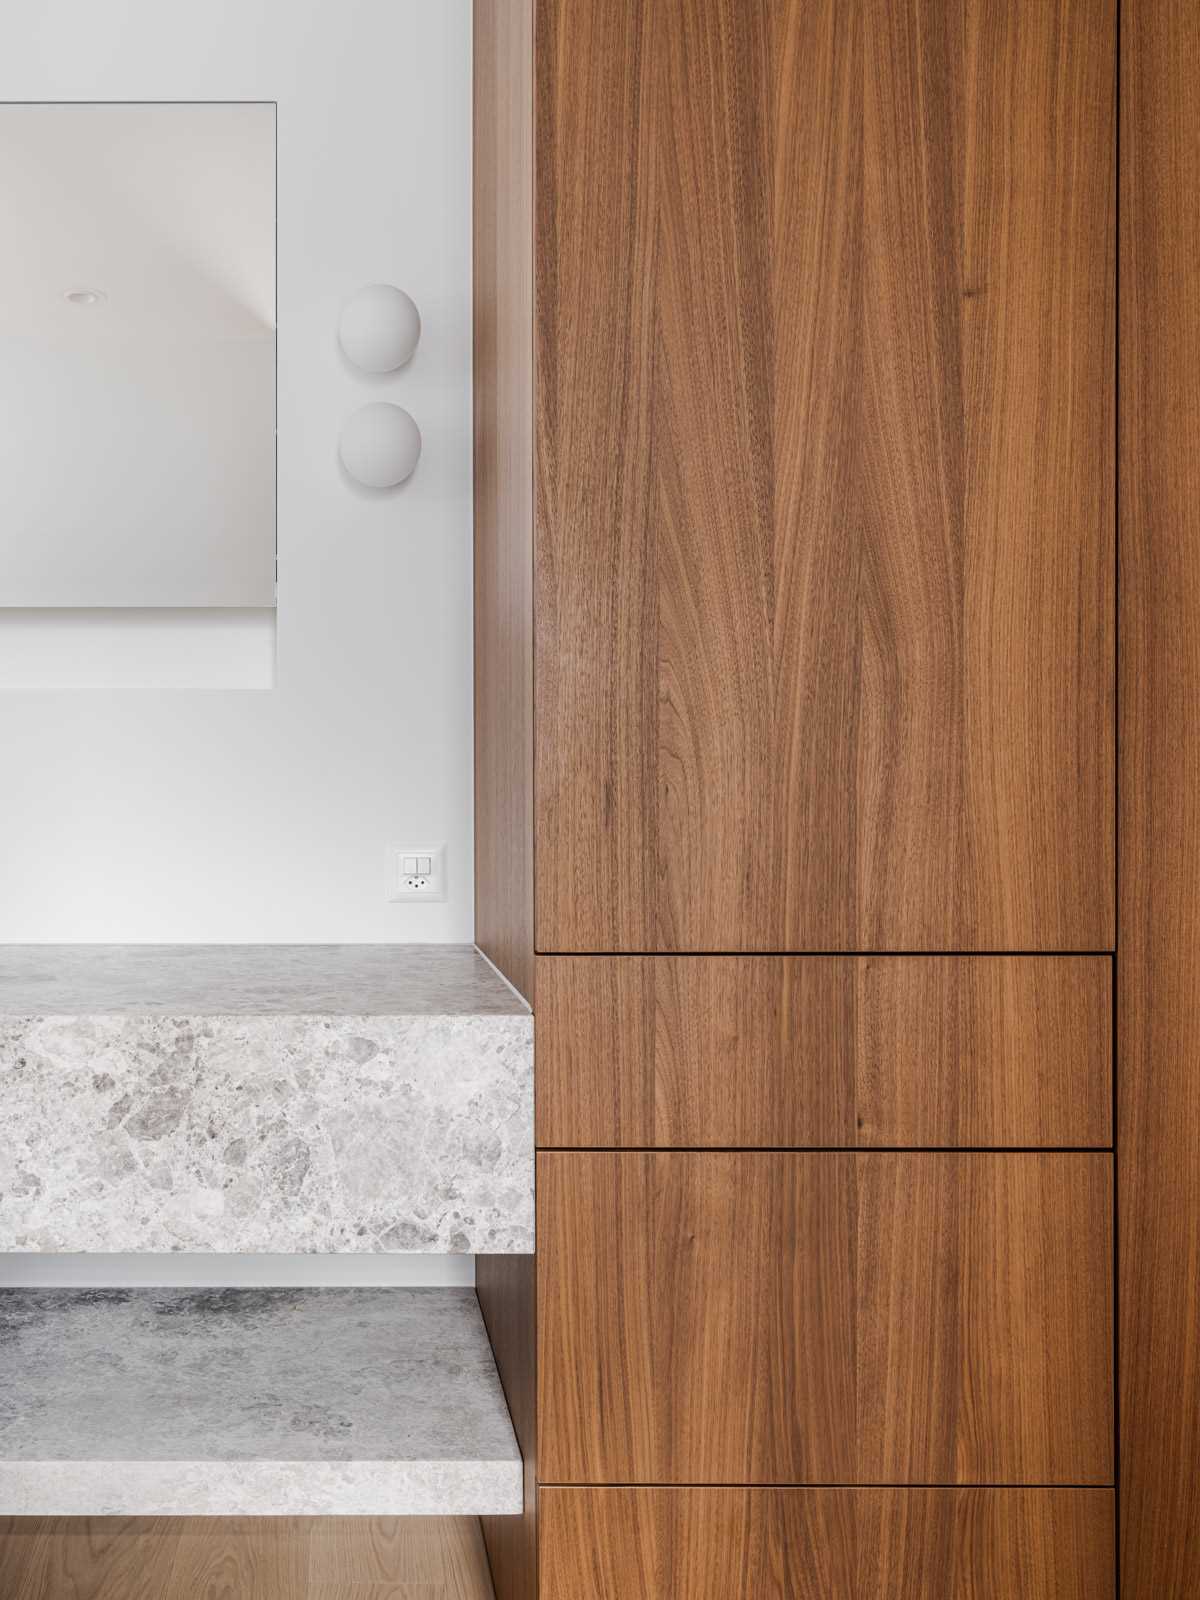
x=176, y=815
x=228, y=815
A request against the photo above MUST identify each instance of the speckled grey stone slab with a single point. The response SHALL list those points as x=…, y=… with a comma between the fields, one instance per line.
x=328, y=980
x=164, y=1127
x=251, y=1402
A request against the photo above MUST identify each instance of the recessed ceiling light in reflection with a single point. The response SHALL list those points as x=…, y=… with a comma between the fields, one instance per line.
x=85, y=297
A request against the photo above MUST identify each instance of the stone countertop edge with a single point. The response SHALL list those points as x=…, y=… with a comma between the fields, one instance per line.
x=260, y=1489
x=253, y=980
x=257, y=1402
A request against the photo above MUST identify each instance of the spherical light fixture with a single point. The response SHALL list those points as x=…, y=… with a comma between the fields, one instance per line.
x=380, y=445
x=379, y=328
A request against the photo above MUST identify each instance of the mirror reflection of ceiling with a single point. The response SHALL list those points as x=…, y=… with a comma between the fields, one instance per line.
x=167, y=210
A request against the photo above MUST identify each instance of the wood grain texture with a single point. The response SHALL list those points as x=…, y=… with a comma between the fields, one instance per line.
x=506, y=1288
x=827, y=1544
x=1159, y=960
x=69, y=1558
x=824, y=476
x=696, y=1318
x=259, y=1558
x=503, y=400
x=985, y=1319
x=697, y=1544
x=746, y=1051
x=743, y=1318
x=395, y=1558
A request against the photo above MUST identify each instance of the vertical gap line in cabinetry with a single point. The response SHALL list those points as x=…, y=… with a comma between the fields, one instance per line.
x=1116, y=1050
x=1115, y=1046
x=534, y=445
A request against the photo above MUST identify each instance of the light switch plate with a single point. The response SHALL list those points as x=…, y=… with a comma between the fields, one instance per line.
x=416, y=872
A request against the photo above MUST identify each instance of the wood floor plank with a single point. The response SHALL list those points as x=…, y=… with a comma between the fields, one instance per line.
x=225, y=1558
x=259, y=1558
x=405, y=1556
x=86, y=1558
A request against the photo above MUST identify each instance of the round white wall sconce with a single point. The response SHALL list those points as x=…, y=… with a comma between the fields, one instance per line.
x=380, y=445
x=379, y=328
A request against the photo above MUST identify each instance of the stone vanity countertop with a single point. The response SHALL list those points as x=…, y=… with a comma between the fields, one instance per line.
x=204, y=980
x=257, y=1098
x=251, y=1402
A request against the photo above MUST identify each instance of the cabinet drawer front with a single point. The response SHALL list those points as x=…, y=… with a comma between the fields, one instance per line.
x=834, y=1318
x=779, y=1051
x=826, y=1544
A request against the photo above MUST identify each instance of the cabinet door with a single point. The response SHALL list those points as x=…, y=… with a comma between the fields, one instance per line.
x=827, y=1544
x=830, y=1318
x=824, y=475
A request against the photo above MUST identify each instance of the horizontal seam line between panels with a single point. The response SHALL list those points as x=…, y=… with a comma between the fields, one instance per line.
x=699, y=955
x=827, y=1149
x=1099, y=1488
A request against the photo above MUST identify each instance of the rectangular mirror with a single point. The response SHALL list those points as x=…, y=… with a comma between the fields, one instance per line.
x=137, y=355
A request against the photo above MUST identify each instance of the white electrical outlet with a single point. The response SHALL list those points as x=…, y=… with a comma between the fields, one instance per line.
x=416, y=872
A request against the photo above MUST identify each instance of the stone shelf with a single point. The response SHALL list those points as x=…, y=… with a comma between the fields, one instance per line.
x=260, y=1098
x=251, y=1402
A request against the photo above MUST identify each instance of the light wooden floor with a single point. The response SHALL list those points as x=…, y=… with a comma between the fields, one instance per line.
x=264, y=1558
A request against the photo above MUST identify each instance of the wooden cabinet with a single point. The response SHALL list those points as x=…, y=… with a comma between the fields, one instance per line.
x=824, y=468
x=827, y=1544
x=771, y=1051
x=795, y=546
x=770, y=1318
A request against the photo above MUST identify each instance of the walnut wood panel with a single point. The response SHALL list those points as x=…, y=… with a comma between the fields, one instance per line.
x=825, y=1318
x=824, y=478
x=503, y=324
x=840, y=1050
x=259, y=1558
x=827, y=1544
x=985, y=1326
x=506, y=1288
x=697, y=1544
x=696, y=1318
x=503, y=321
x=1159, y=961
